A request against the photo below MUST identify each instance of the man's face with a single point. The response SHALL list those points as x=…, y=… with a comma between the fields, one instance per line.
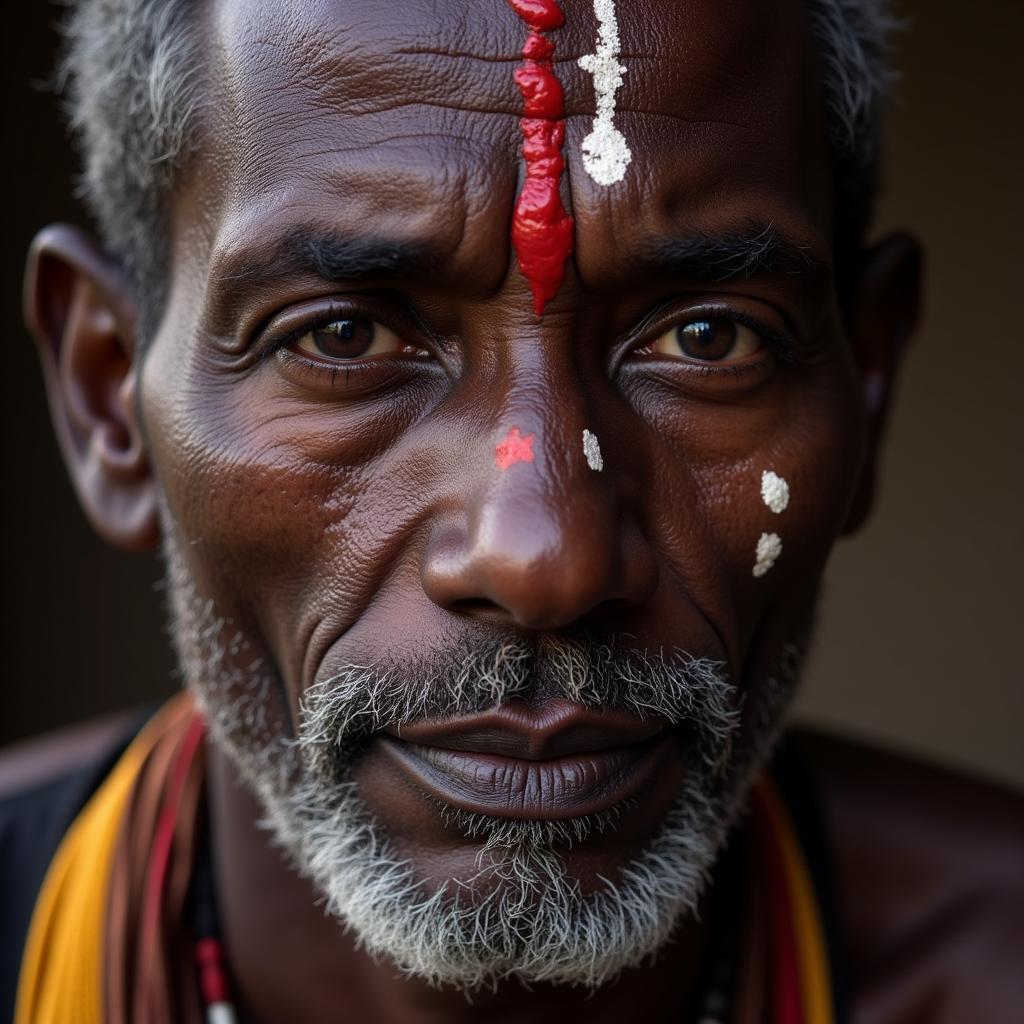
x=350, y=363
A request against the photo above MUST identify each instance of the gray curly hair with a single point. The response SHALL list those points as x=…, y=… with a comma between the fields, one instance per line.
x=132, y=78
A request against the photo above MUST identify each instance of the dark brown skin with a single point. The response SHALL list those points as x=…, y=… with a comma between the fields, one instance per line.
x=337, y=513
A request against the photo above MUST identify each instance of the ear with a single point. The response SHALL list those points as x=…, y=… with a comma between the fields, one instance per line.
x=78, y=308
x=884, y=317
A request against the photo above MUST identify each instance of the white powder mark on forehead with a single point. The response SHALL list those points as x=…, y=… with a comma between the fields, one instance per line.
x=592, y=451
x=769, y=547
x=605, y=153
x=774, y=491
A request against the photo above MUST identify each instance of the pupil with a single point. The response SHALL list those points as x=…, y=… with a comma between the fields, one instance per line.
x=707, y=339
x=344, y=339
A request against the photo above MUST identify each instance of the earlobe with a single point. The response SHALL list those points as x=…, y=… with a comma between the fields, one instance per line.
x=79, y=310
x=885, y=316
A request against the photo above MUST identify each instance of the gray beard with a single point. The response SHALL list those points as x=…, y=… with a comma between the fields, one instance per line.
x=521, y=914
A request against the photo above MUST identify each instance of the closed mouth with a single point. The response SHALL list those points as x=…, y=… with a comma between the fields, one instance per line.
x=569, y=786
x=562, y=760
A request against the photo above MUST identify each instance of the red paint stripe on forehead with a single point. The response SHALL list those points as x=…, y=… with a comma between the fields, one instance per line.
x=542, y=230
x=537, y=47
x=539, y=14
x=542, y=92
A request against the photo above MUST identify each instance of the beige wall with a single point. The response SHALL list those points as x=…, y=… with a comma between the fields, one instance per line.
x=923, y=613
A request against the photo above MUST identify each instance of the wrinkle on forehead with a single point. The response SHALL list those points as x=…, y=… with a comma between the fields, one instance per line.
x=755, y=151
x=361, y=58
x=312, y=93
x=427, y=204
x=408, y=114
x=685, y=60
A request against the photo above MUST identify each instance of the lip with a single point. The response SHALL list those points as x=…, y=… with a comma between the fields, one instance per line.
x=559, y=761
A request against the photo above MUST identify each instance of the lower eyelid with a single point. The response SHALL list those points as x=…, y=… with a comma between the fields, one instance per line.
x=749, y=367
x=308, y=363
x=640, y=354
x=676, y=373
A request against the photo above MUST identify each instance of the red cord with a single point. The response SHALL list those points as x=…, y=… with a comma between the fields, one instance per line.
x=213, y=978
x=785, y=998
x=163, y=838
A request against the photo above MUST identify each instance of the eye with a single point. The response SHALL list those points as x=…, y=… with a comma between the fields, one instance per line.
x=709, y=340
x=352, y=338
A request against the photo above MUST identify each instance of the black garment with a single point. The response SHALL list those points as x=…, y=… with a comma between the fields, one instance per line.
x=32, y=825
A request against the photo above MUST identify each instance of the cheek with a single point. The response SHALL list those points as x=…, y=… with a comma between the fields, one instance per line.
x=713, y=521
x=288, y=511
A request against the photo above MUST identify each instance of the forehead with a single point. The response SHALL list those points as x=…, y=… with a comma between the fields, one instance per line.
x=406, y=117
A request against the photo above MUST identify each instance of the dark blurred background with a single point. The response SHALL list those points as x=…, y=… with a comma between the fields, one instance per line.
x=917, y=645
x=82, y=624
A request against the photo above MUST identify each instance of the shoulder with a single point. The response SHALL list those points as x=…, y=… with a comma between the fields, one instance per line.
x=44, y=783
x=930, y=867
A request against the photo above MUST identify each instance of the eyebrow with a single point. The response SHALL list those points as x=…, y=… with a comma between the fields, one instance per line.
x=752, y=251
x=335, y=256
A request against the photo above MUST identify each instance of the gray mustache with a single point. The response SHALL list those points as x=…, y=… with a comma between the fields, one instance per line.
x=341, y=711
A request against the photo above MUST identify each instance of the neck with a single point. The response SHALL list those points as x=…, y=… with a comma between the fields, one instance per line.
x=289, y=961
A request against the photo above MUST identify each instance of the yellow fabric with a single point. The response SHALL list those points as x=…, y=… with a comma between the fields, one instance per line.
x=61, y=978
x=811, y=951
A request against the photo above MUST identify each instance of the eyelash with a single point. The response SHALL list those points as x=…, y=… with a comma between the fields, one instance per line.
x=359, y=373
x=781, y=344
x=276, y=344
x=281, y=345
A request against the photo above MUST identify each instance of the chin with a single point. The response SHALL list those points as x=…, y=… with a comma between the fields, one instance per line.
x=486, y=898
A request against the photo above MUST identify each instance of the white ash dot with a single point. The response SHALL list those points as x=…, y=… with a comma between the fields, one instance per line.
x=592, y=451
x=769, y=547
x=606, y=154
x=774, y=491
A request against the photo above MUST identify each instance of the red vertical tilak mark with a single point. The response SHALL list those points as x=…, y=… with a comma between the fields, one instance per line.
x=541, y=227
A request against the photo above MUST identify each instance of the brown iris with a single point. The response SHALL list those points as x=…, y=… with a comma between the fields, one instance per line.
x=343, y=339
x=709, y=340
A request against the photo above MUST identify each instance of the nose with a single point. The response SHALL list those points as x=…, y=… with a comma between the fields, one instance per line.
x=544, y=543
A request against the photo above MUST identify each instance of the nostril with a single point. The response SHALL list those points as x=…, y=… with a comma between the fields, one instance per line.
x=517, y=562
x=479, y=608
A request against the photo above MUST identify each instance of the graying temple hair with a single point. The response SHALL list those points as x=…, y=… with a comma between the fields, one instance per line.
x=133, y=76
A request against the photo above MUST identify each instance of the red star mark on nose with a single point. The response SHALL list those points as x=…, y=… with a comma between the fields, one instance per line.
x=515, y=448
